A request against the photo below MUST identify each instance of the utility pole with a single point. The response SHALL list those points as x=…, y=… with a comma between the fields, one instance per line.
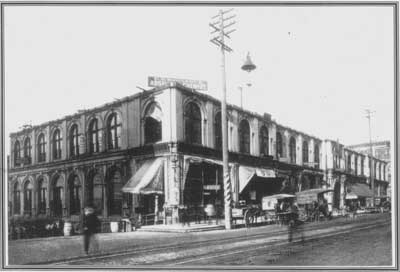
x=372, y=168
x=220, y=28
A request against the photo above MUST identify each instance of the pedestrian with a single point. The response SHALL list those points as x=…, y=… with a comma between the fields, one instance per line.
x=90, y=226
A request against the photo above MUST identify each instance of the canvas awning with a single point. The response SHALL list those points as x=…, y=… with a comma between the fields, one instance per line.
x=149, y=179
x=357, y=190
x=247, y=173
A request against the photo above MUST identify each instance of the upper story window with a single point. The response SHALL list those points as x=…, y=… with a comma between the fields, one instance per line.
x=316, y=155
x=244, y=136
x=264, y=141
x=355, y=164
x=349, y=162
x=218, y=131
x=17, y=153
x=74, y=141
x=305, y=151
x=192, y=116
x=94, y=136
x=362, y=166
x=27, y=150
x=152, y=124
x=41, y=148
x=57, y=140
x=279, y=145
x=292, y=150
x=114, y=131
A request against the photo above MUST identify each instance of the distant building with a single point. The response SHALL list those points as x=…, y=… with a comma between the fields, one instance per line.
x=380, y=150
x=151, y=153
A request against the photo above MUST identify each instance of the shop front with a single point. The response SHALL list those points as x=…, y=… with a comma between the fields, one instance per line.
x=358, y=195
x=255, y=183
x=146, y=192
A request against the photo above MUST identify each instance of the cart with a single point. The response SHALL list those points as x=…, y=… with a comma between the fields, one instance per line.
x=271, y=210
x=246, y=212
x=312, y=204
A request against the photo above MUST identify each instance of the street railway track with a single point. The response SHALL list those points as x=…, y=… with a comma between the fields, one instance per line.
x=226, y=240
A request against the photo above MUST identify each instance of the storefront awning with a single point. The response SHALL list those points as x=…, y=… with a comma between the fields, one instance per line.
x=357, y=190
x=311, y=195
x=149, y=179
x=247, y=173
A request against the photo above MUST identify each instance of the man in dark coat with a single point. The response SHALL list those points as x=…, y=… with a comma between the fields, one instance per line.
x=90, y=226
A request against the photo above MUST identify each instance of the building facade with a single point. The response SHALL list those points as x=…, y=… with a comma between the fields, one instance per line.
x=150, y=153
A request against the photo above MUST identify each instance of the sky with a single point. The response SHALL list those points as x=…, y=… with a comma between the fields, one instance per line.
x=318, y=67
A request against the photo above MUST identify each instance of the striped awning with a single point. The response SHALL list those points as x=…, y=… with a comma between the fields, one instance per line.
x=247, y=173
x=149, y=179
x=357, y=190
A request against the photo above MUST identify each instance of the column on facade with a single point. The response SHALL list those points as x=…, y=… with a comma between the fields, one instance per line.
x=209, y=125
x=234, y=172
x=64, y=142
x=48, y=142
x=272, y=139
x=342, y=191
x=285, y=145
x=105, y=195
x=299, y=149
x=311, y=151
x=34, y=147
x=254, y=137
x=22, y=198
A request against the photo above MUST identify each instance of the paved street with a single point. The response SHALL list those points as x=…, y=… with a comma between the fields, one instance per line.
x=266, y=245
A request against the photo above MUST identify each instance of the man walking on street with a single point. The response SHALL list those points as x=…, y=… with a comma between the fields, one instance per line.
x=90, y=227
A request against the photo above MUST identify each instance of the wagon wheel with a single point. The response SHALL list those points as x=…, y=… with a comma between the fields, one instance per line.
x=248, y=218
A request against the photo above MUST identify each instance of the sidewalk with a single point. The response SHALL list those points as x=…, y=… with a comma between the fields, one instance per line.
x=42, y=250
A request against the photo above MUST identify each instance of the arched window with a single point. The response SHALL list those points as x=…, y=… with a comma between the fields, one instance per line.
x=41, y=148
x=362, y=166
x=279, y=146
x=152, y=124
x=192, y=118
x=355, y=164
x=57, y=140
x=42, y=193
x=244, y=136
x=218, y=131
x=114, y=131
x=115, y=193
x=28, y=197
x=316, y=155
x=94, y=137
x=17, y=153
x=264, y=141
x=74, y=141
x=58, y=194
x=27, y=150
x=348, y=162
x=17, y=198
x=74, y=195
x=292, y=150
x=305, y=151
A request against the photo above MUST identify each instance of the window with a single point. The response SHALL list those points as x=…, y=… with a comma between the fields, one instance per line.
x=349, y=162
x=152, y=124
x=114, y=131
x=27, y=150
x=305, y=152
x=58, y=192
x=17, y=153
x=28, y=198
x=74, y=141
x=17, y=198
x=218, y=131
x=192, y=118
x=57, y=140
x=264, y=141
x=279, y=147
x=42, y=186
x=292, y=150
x=316, y=156
x=244, y=137
x=41, y=148
x=115, y=193
x=362, y=166
x=355, y=164
x=74, y=195
x=94, y=137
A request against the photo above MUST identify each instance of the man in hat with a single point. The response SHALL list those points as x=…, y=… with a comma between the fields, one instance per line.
x=90, y=227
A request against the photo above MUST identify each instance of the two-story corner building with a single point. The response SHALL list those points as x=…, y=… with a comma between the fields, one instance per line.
x=155, y=151
x=348, y=174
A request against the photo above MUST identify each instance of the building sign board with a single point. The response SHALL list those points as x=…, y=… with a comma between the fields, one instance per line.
x=199, y=85
x=211, y=187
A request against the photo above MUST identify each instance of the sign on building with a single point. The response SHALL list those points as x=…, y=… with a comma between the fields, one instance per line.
x=199, y=85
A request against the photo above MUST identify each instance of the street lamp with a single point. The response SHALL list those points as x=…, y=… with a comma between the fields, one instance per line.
x=247, y=66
